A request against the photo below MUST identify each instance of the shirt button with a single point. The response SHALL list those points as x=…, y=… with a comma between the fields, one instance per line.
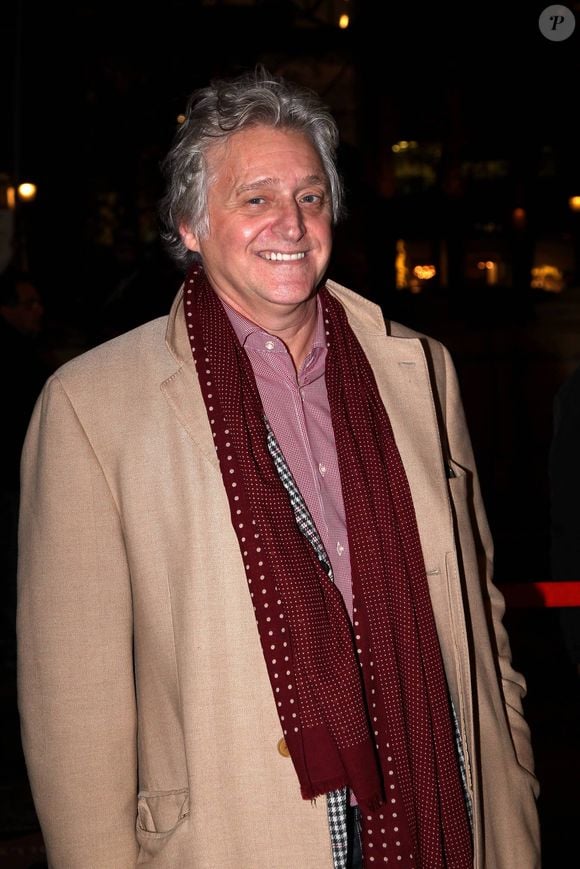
x=322, y=469
x=339, y=548
x=283, y=748
x=269, y=345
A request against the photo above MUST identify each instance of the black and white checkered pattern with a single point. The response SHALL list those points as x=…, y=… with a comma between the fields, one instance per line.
x=336, y=802
x=462, y=771
x=302, y=515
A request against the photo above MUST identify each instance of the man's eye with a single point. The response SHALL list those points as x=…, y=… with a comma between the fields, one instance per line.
x=256, y=200
x=311, y=197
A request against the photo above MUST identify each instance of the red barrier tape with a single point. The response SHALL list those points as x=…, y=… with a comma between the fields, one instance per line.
x=541, y=594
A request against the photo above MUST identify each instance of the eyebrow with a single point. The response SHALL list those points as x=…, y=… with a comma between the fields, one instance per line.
x=270, y=182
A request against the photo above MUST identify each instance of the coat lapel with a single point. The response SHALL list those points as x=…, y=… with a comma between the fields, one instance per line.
x=182, y=390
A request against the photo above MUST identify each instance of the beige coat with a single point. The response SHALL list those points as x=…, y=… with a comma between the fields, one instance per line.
x=149, y=728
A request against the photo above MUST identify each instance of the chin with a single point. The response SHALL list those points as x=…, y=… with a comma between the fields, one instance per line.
x=303, y=287
x=292, y=296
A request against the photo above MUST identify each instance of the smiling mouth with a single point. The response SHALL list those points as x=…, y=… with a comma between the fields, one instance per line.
x=274, y=256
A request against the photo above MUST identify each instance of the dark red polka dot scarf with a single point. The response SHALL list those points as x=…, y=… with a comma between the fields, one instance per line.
x=364, y=705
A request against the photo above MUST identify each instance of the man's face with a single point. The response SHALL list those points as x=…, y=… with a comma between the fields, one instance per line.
x=269, y=210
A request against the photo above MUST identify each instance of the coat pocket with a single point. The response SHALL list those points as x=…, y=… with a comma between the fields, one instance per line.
x=160, y=812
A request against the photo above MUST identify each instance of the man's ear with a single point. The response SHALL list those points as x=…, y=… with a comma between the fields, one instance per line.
x=188, y=238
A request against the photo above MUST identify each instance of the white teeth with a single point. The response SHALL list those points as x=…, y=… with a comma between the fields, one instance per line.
x=284, y=257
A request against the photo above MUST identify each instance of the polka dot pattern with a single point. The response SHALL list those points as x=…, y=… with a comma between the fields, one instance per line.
x=367, y=701
x=424, y=818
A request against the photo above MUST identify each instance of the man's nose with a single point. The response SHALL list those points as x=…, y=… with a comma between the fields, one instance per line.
x=290, y=222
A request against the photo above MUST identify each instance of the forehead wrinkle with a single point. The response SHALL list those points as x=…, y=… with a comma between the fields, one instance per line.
x=259, y=182
x=270, y=182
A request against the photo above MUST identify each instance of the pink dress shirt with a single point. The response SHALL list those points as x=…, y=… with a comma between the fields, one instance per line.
x=298, y=411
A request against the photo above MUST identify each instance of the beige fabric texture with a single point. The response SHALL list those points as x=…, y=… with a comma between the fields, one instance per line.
x=148, y=723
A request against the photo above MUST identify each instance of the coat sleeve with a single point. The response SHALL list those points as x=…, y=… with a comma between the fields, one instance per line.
x=75, y=663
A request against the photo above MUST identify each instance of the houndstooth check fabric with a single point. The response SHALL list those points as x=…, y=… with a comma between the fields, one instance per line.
x=336, y=801
x=461, y=758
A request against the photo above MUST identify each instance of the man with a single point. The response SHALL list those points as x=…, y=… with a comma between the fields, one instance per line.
x=255, y=627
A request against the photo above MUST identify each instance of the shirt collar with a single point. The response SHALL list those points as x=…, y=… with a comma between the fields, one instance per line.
x=245, y=329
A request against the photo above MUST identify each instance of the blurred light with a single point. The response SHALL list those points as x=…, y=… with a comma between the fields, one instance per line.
x=27, y=191
x=492, y=273
x=425, y=273
x=574, y=203
x=491, y=269
x=401, y=270
x=547, y=277
x=343, y=22
x=181, y=119
x=519, y=217
x=11, y=197
x=404, y=145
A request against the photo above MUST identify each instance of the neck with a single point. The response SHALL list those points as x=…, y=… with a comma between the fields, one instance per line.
x=297, y=332
x=294, y=326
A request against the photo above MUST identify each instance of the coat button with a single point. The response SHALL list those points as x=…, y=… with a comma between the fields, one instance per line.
x=283, y=748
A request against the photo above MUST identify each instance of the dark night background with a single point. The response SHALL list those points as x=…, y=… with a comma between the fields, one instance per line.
x=90, y=95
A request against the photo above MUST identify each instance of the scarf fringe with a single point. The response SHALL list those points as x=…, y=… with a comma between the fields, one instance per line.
x=369, y=804
x=311, y=792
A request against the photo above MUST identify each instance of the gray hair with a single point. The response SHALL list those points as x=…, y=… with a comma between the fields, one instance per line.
x=217, y=112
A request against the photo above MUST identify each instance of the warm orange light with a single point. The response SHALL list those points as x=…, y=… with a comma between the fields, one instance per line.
x=548, y=277
x=27, y=191
x=425, y=273
x=401, y=269
x=11, y=197
x=491, y=269
x=343, y=22
x=574, y=203
x=181, y=119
